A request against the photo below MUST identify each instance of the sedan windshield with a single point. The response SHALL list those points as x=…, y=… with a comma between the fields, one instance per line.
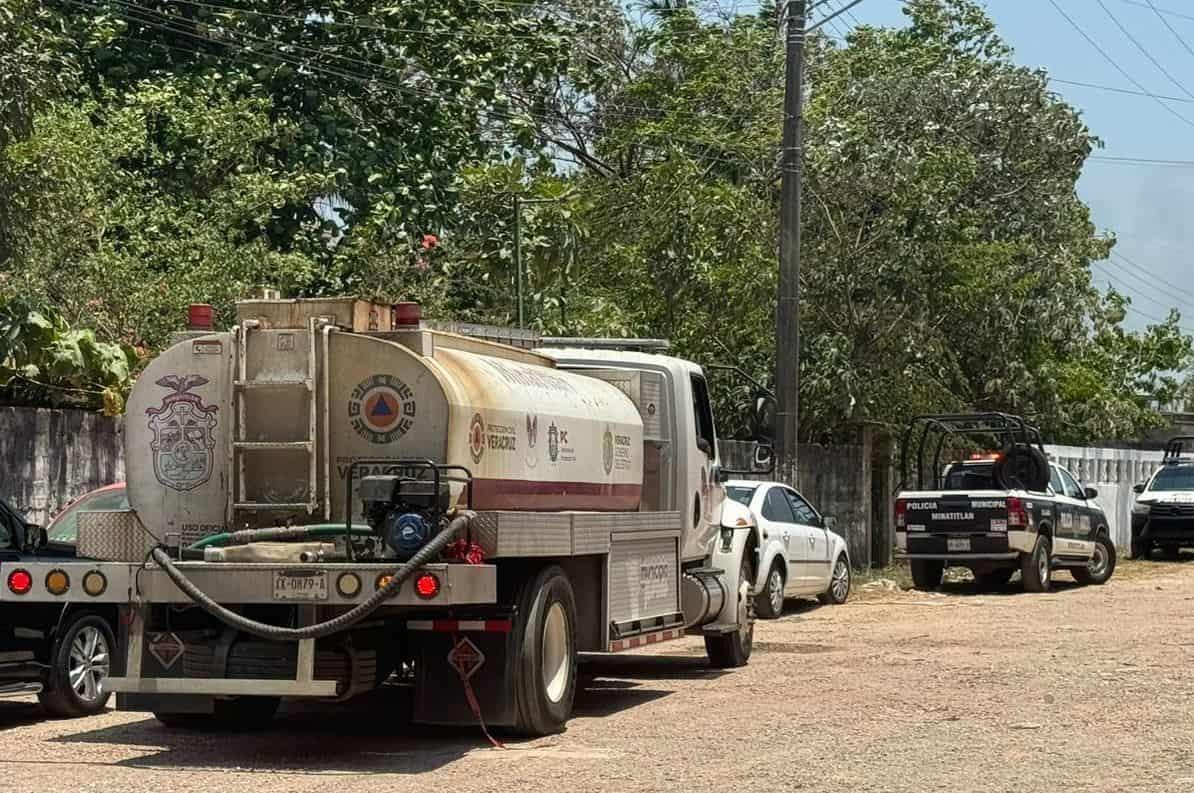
x=1174, y=478
x=741, y=493
x=65, y=528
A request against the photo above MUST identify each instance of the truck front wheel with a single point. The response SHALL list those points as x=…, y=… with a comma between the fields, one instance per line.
x=545, y=677
x=926, y=573
x=1101, y=566
x=730, y=650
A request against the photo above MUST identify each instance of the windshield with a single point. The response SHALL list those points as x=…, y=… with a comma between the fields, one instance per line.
x=1174, y=478
x=741, y=493
x=65, y=527
x=969, y=477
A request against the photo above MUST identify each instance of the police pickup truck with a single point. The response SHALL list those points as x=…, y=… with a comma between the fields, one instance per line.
x=1163, y=513
x=995, y=513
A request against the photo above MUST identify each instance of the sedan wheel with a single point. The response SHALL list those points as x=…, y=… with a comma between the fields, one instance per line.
x=839, y=583
x=769, y=603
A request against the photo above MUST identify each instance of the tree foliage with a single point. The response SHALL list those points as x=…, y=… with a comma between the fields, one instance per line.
x=378, y=147
x=43, y=361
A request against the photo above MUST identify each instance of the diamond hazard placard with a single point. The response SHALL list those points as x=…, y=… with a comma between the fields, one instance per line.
x=466, y=658
x=167, y=648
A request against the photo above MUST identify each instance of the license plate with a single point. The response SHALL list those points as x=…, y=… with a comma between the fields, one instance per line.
x=300, y=585
x=959, y=544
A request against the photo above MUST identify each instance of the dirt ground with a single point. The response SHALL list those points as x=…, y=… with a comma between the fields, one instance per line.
x=1079, y=689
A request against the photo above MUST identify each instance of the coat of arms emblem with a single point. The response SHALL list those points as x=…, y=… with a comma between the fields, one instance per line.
x=183, y=434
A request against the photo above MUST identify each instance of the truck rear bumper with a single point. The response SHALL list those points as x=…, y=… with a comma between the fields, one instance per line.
x=961, y=557
x=991, y=545
x=341, y=585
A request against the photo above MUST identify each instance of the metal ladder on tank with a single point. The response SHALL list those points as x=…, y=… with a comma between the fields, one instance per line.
x=241, y=446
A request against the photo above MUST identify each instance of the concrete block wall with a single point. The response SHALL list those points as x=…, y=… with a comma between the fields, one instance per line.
x=48, y=457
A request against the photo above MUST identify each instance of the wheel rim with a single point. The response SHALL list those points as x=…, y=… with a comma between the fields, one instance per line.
x=89, y=664
x=1043, y=567
x=556, y=658
x=840, y=586
x=1098, y=563
x=775, y=591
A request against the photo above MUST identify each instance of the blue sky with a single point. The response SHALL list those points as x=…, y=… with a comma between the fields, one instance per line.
x=1150, y=208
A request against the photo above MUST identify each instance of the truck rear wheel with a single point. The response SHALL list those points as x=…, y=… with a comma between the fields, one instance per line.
x=1036, y=568
x=545, y=676
x=731, y=650
x=926, y=573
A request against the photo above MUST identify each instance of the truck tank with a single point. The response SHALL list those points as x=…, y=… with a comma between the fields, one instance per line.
x=260, y=425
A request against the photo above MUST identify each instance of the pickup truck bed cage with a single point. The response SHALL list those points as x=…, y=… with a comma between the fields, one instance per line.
x=1006, y=429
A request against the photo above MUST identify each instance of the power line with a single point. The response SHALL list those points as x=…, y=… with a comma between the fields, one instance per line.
x=1147, y=94
x=1140, y=294
x=1165, y=11
x=1095, y=45
x=1167, y=284
x=1144, y=50
x=1141, y=161
x=1180, y=39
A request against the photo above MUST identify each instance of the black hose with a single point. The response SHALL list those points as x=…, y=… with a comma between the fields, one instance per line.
x=319, y=630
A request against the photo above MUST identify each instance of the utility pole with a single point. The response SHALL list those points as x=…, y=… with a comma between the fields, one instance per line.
x=787, y=309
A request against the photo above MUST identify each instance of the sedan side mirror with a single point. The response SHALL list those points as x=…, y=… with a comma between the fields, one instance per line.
x=1091, y=494
x=829, y=523
x=1138, y=488
x=35, y=538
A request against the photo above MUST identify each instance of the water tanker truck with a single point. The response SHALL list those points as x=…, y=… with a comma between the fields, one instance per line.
x=334, y=494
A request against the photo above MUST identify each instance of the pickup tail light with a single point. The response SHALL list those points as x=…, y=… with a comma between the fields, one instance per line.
x=901, y=514
x=1017, y=515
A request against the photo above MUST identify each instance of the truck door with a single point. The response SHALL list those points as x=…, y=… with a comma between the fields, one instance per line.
x=1078, y=536
x=810, y=534
x=779, y=521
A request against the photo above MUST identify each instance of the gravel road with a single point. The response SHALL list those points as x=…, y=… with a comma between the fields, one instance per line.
x=1079, y=689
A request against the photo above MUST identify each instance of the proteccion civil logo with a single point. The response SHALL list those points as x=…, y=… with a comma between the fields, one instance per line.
x=476, y=438
x=381, y=408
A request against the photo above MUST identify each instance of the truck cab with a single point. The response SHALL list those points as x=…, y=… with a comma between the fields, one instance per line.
x=680, y=458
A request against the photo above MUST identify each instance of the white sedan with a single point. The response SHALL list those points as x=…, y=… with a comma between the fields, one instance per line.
x=800, y=555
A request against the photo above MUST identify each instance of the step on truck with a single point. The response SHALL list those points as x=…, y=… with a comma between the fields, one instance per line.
x=961, y=505
x=335, y=495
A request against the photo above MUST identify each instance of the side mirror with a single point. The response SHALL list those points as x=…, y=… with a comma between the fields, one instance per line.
x=764, y=459
x=704, y=446
x=829, y=523
x=35, y=538
x=763, y=419
x=1090, y=493
x=1138, y=488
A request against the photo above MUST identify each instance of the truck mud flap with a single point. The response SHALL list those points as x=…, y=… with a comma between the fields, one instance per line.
x=478, y=650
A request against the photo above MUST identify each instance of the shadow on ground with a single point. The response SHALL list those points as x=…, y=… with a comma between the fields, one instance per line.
x=369, y=735
x=20, y=712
